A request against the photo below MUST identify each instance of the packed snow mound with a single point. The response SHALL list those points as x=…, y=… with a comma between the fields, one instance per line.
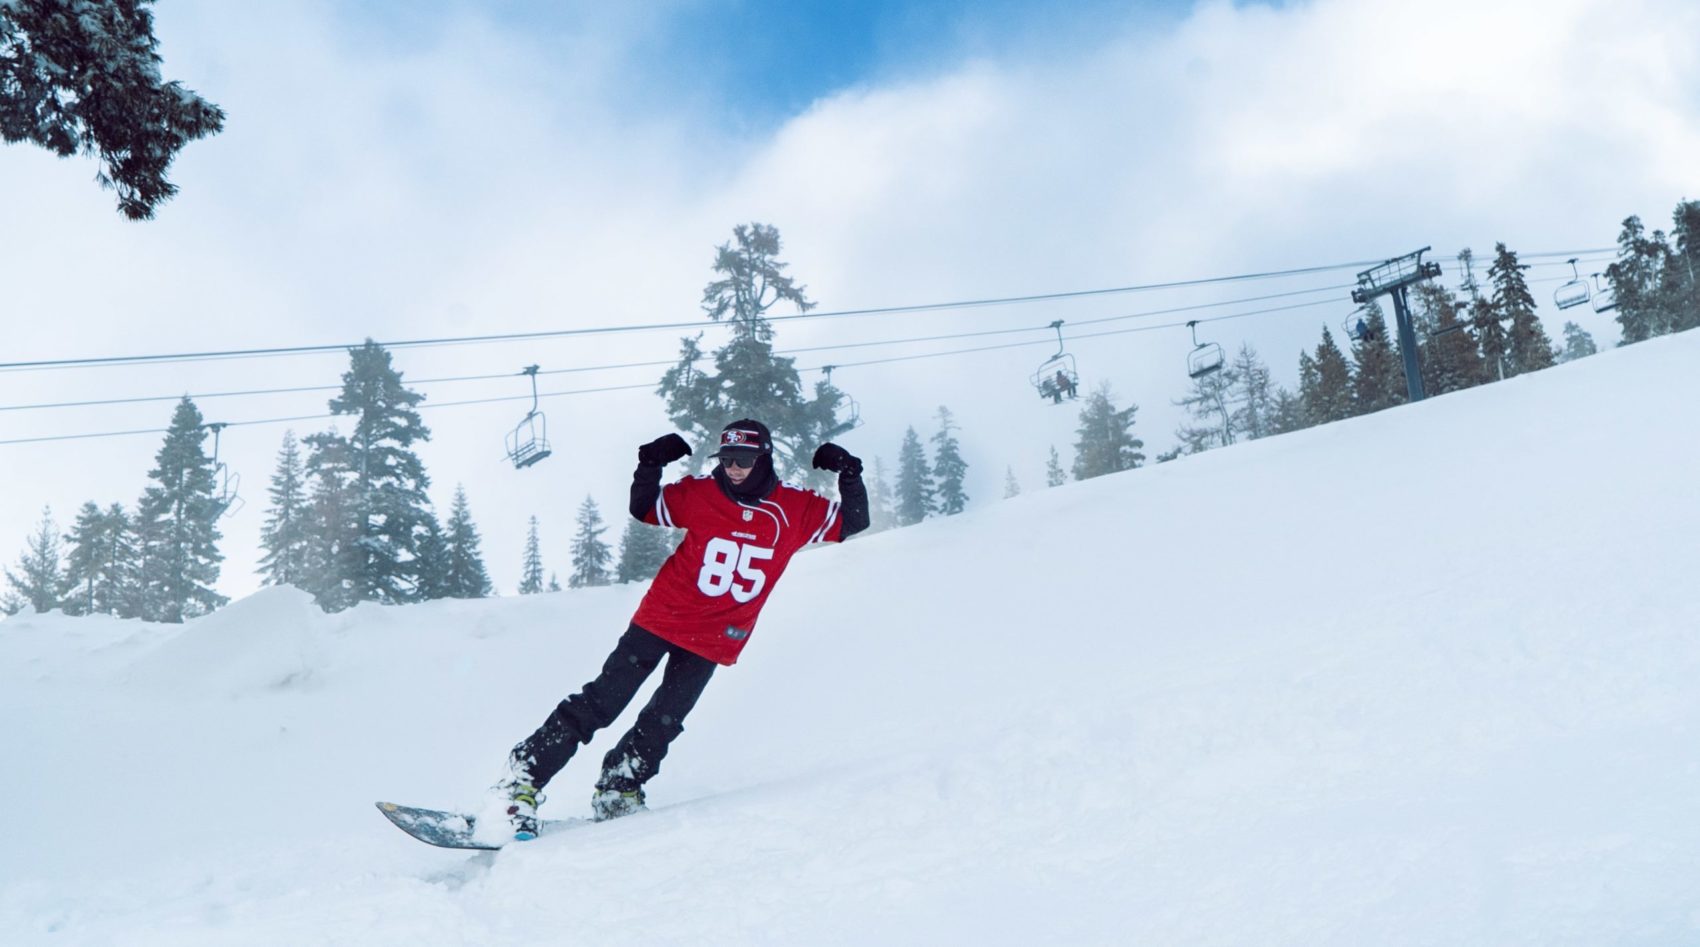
x=271, y=640
x=1419, y=677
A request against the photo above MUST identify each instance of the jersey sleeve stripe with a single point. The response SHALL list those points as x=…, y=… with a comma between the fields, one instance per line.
x=661, y=510
x=826, y=527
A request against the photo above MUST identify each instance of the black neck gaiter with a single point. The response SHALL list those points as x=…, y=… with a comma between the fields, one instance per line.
x=756, y=487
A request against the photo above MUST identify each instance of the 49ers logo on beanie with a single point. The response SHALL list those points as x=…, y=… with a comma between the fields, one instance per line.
x=746, y=434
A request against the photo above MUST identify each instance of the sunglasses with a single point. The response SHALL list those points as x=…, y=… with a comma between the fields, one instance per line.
x=742, y=463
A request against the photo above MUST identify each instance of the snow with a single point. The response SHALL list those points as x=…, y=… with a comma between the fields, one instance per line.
x=1421, y=677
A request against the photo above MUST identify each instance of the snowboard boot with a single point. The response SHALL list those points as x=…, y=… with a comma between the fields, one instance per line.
x=523, y=800
x=614, y=803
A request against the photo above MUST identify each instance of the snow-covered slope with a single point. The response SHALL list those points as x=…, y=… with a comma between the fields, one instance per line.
x=1422, y=677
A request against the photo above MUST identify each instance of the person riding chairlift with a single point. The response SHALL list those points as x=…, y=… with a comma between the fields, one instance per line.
x=1064, y=385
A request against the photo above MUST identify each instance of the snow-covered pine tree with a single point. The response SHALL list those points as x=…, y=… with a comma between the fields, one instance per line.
x=177, y=523
x=1055, y=475
x=1577, y=343
x=554, y=583
x=1378, y=374
x=1450, y=359
x=385, y=480
x=915, y=492
x=332, y=555
x=948, y=466
x=591, y=557
x=643, y=548
x=1528, y=347
x=748, y=379
x=100, y=570
x=467, y=577
x=1011, y=486
x=1325, y=382
x=84, y=78
x=434, y=562
x=1105, y=443
x=1252, y=395
x=882, y=513
x=1637, y=277
x=287, y=534
x=39, y=581
x=531, y=567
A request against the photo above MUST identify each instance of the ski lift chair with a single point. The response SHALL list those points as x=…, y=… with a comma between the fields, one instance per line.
x=229, y=498
x=1057, y=377
x=1356, y=328
x=1573, y=293
x=851, y=408
x=1605, y=295
x=528, y=442
x=1205, y=358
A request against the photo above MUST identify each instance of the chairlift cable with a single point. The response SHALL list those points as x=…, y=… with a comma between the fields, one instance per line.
x=273, y=351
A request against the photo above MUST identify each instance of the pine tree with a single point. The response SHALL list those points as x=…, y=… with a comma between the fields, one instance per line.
x=287, y=535
x=1491, y=339
x=749, y=379
x=1325, y=382
x=1252, y=394
x=1638, y=280
x=1055, y=475
x=1577, y=343
x=333, y=550
x=100, y=574
x=467, y=577
x=882, y=513
x=531, y=571
x=915, y=492
x=384, y=478
x=177, y=522
x=948, y=466
x=1105, y=442
x=1288, y=412
x=1682, y=269
x=435, y=563
x=591, y=557
x=1206, y=401
x=40, y=580
x=643, y=549
x=1528, y=347
x=1378, y=375
x=554, y=583
x=84, y=78
x=1011, y=486
x=1450, y=359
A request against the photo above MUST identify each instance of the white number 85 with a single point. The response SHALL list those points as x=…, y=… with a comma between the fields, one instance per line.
x=724, y=562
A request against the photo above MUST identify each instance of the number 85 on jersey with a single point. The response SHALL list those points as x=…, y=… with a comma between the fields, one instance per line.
x=731, y=567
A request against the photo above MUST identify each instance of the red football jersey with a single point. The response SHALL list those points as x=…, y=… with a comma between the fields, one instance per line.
x=709, y=592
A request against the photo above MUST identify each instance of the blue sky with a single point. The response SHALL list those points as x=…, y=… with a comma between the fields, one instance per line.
x=751, y=64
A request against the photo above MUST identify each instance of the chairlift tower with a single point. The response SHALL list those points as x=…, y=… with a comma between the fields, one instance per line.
x=1394, y=278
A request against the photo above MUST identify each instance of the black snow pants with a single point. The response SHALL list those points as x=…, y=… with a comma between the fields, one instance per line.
x=637, y=756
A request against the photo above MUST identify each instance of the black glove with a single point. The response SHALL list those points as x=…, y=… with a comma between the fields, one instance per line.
x=830, y=456
x=663, y=450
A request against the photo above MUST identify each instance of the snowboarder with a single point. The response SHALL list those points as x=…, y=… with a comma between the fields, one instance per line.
x=742, y=525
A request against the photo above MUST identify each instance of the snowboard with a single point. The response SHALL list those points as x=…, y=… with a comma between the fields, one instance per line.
x=453, y=829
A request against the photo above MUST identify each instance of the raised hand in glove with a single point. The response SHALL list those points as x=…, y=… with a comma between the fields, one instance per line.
x=830, y=456
x=663, y=450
